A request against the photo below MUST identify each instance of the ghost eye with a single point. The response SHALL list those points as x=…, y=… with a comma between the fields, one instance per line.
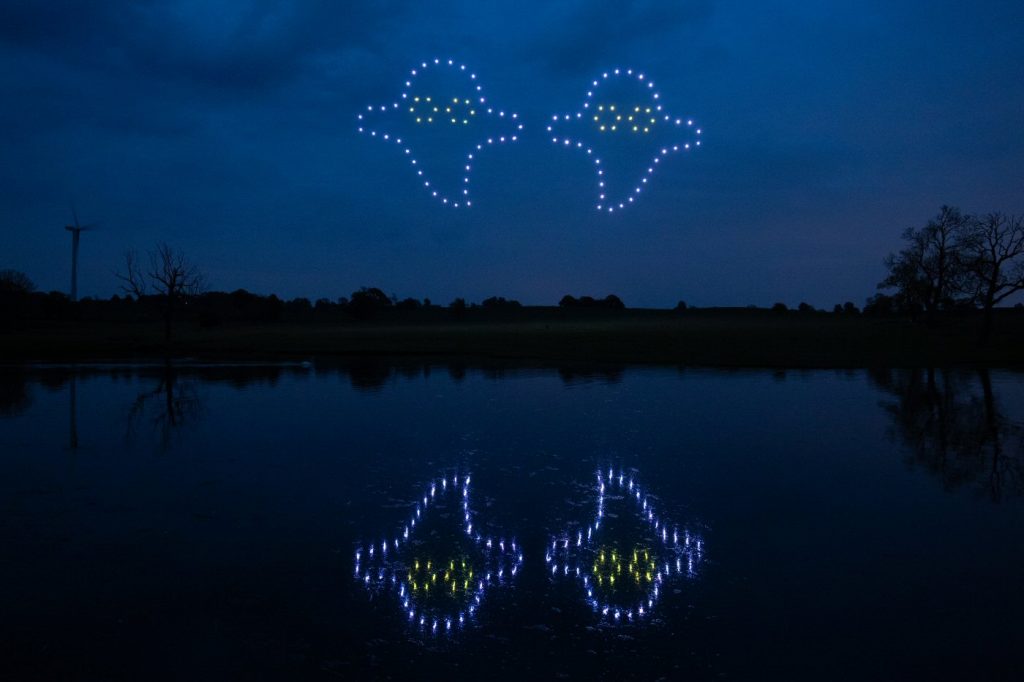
x=612, y=116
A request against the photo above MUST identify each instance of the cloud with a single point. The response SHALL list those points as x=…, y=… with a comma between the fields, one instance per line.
x=580, y=33
x=227, y=47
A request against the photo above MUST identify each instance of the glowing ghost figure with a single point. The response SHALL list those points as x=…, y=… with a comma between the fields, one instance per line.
x=621, y=104
x=622, y=581
x=422, y=113
x=439, y=583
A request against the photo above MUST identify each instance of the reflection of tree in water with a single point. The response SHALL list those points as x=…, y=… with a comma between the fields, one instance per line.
x=370, y=374
x=15, y=396
x=173, y=403
x=952, y=424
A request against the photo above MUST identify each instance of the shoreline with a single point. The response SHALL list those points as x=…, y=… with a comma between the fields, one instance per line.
x=714, y=339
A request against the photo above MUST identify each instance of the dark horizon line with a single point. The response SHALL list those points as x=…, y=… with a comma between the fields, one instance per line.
x=502, y=303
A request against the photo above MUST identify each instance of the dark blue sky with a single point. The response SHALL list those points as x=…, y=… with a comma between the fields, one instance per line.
x=228, y=130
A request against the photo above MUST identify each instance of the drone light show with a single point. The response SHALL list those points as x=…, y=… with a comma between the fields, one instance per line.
x=623, y=578
x=620, y=124
x=441, y=122
x=439, y=582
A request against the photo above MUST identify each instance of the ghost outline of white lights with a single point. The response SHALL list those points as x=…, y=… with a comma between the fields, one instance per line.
x=505, y=553
x=684, y=546
x=604, y=204
x=477, y=90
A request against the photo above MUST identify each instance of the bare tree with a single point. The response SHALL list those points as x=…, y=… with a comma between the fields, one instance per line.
x=133, y=280
x=992, y=250
x=928, y=273
x=174, y=278
x=171, y=278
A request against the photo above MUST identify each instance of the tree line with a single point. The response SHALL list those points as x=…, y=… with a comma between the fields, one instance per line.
x=956, y=262
x=165, y=284
x=168, y=285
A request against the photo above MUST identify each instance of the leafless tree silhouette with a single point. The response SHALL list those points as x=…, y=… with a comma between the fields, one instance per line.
x=133, y=280
x=992, y=250
x=170, y=276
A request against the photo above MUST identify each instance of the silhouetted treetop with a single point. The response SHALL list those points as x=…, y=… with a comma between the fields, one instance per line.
x=610, y=302
x=408, y=304
x=991, y=249
x=499, y=302
x=368, y=301
x=928, y=272
x=15, y=282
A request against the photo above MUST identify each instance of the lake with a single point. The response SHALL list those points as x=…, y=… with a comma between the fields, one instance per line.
x=463, y=521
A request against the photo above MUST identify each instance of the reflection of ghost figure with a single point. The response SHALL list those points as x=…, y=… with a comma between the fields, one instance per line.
x=622, y=560
x=440, y=580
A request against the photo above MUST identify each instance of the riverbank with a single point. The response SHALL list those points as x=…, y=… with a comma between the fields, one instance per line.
x=712, y=338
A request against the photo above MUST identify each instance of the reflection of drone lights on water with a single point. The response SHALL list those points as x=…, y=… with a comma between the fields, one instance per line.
x=609, y=117
x=455, y=110
x=456, y=577
x=611, y=579
x=440, y=595
x=608, y=566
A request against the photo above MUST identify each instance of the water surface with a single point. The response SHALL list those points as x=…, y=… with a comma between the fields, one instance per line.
x=204, y=522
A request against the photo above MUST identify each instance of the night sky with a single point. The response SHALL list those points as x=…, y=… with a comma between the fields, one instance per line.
x=228, y=129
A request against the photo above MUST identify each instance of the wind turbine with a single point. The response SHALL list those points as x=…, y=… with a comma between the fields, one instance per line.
x=76, y=232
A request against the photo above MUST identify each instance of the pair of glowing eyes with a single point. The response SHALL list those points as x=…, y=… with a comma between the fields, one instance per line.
x=449, y=112
x=639, y=120
x=628, y=126
x=454, y=585
x=613, y=555
x=447, y=572
x=609, y=565
x=454, y=576
x=639, y=578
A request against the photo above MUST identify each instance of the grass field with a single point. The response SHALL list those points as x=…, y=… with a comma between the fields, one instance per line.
x=715, y=338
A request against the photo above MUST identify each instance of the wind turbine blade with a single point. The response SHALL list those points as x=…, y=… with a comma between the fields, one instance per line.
x=74, y=213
